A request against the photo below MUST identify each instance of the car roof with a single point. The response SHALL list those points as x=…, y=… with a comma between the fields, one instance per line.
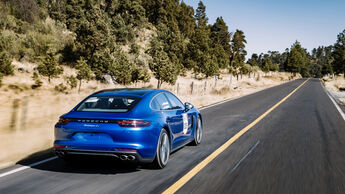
x=139, y=92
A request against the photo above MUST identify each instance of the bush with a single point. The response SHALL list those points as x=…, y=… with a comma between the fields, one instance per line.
x=18, y=87
x=6, y=68
x=72, y=81
x=49, y=67
x=61, y=88
x=140, y=74
x=38, y=83
x=134, y=49
x=224, y=90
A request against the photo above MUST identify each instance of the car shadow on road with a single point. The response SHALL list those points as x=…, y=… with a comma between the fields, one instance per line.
x=81, y=164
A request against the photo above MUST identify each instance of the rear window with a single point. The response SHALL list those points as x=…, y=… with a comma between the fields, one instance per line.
x=108, y=104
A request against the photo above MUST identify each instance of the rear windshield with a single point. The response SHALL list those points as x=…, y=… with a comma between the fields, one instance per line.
x=108, y=104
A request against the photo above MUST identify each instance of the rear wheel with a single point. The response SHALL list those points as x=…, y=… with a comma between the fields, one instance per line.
x=163, y=150
x=198, y=132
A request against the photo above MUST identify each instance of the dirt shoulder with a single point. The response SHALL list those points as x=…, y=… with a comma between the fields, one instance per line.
x=336, y=87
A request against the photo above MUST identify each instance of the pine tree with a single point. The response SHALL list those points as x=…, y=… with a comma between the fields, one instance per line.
x=6, y=67
x=220, y=34
x=121, y=68
x=201, y=58
x=140, y=74
x=186, y=20
x=93, y=33
x=221, y=42
x=83, y=71
x=321, y=61
x=297, y=60
x=132, y=12
x=267, y=63
x=339, y=54
x=238, y=52
x=161, y=66
x=254, y=60
x=49, y=67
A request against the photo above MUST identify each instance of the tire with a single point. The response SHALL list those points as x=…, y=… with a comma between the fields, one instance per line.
x=163, y=150
x=198, y=132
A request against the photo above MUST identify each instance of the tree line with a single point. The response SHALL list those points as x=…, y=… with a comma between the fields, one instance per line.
x=99, y=37
x=323, y=60
x=183, y=40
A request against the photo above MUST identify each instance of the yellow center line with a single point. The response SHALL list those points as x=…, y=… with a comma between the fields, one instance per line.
x=183, y=180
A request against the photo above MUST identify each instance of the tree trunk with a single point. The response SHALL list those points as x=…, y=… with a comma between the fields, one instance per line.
x=237, y=76
x=159, y=84
x=79, y=86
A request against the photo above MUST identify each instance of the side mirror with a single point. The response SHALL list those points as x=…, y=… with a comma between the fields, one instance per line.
x=188, y=106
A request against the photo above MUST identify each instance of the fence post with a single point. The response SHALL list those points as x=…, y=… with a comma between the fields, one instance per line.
x=230, y=81
x=192, y=87
x=24, y=112
x=205, y=87
x=14, y=114
x=177, y=88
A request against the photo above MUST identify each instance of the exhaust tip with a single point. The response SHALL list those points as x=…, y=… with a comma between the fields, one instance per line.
x=131, y=157
x=123, y=157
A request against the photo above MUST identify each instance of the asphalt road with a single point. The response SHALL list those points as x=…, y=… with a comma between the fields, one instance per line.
x=299, y=147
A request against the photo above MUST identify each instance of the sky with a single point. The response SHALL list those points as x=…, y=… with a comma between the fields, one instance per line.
x=276, y=25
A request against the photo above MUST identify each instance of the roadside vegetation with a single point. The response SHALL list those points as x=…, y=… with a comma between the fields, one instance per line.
x=109, y=37
x=322, y=61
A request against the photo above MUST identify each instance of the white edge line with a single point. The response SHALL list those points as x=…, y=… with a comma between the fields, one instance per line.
x=245, y=156
x=28, y=166
x=334, y=102
x=55, y=157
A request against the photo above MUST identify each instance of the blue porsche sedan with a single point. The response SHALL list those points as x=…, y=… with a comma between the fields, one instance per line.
x=143, y=125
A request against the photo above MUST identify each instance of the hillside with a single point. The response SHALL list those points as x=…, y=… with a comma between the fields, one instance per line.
x=121, y=39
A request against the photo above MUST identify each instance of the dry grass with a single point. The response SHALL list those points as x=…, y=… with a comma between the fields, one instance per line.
x=28, y=116
x=336, y=83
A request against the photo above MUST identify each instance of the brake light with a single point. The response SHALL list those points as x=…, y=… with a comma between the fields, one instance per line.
x=63, y=121
x=59, y=146
x=133, y=123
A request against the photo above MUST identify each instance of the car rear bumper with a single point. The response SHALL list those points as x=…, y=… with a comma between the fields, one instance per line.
x=121, y=155
x=107, y=140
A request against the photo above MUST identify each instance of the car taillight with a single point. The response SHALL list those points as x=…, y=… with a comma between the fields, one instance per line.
x=63, y=121
x=59, y=146
x=133, y=123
